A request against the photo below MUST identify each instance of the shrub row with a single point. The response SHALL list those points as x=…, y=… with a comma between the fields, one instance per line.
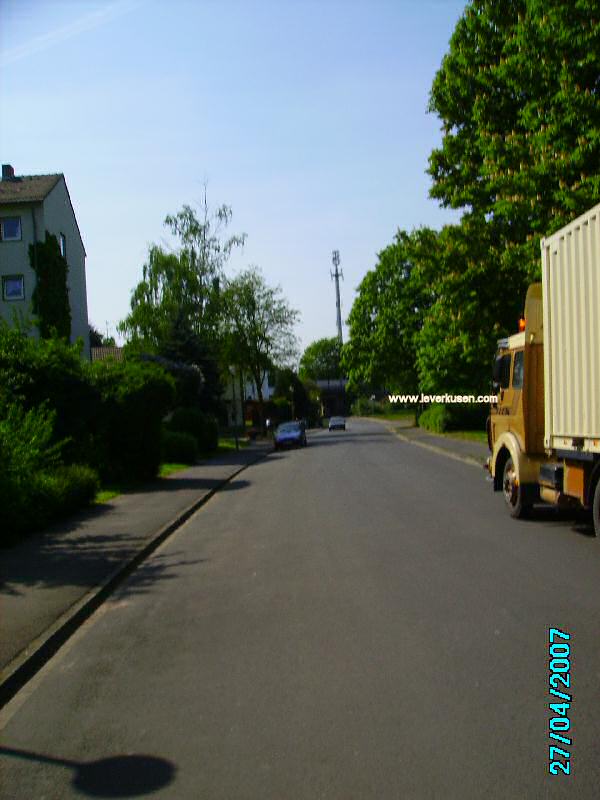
x=64, y=421
x=35, y=487
x=203, y=427
x=439, y=418
x=107, y=414
x=179, y=447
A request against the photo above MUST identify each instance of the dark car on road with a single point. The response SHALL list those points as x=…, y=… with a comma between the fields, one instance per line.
x=337, y=424
x=290, y=434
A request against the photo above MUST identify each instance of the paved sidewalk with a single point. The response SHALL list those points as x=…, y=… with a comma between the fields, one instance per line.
x=49, y=577
x=473, y=452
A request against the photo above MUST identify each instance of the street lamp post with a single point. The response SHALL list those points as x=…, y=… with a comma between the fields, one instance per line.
x=291, y=387
x=234, y=409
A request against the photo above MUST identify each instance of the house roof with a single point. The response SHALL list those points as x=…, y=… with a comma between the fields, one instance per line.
x=27, y=188
x=102, y=353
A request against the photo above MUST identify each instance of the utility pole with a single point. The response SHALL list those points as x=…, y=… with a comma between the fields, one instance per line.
x=335, y=257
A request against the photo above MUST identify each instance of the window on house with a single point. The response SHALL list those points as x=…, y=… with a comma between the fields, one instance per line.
x=62, y=241
x=10, y=229
x=13, y=287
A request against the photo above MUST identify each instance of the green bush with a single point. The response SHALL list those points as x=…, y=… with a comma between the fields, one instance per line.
x=440, y=418
x=179, y=447
x=26, y=450
x=364, y=407
x=34, y=487
x=203, y=427
x=51, y=372
x=135, y=397
x=435, y=418
x=67, y=488
x=209, y=440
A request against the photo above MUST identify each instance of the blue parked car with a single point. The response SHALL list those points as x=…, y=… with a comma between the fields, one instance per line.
x=290, y=434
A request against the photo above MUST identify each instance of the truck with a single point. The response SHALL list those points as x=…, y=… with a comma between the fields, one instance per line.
x=544, y=429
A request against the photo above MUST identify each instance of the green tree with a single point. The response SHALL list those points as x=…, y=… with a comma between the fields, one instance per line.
x=288, y=385
x=468, y=311
x=50, y=298
x=99, y=340
x=184, y=284
x=258, y=327
x=517, y=94
x=321, y=360
x=388, y=313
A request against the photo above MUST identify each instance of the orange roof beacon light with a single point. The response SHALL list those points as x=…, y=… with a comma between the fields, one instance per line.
x=521, y=325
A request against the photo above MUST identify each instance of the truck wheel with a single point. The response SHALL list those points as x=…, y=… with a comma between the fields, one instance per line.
x=513, y=491
x=596, y=508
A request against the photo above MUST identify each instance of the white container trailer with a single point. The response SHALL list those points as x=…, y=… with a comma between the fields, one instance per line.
x=571, y=313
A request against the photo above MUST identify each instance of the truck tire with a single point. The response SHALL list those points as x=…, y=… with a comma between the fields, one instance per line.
x=513, y=491
x=596, y=508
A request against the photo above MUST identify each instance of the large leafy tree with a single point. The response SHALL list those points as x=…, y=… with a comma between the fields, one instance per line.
x=258, y=327
x=321, y=360
x=176, y=308
x=388, y=313
x=517, y=94
x=182, y=288
x=468, y=312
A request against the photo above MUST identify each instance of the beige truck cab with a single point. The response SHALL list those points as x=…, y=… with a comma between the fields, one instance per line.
x=516, y=422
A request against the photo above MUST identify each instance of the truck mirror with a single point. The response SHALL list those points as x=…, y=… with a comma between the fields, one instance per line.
x=497, y=372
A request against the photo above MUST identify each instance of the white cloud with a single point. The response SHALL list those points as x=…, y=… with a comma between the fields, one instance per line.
x=90, y=21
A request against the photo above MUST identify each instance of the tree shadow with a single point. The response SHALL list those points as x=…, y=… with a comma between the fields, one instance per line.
x=328, y=438
x=85, y=561
x=115, y=776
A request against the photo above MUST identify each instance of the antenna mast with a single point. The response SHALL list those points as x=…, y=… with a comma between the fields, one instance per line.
x=335, y=276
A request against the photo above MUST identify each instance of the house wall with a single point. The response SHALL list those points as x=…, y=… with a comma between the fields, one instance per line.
x=14, y=260
x=59, y=218
x=56, y=215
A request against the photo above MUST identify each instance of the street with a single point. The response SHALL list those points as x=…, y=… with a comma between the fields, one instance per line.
x=356, y=619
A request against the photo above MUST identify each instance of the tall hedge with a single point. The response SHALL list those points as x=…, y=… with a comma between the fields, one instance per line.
x=134, y=398
x=51, y=372
x=203, y=427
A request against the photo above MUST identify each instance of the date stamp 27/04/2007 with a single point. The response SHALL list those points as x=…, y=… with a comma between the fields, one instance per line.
x=560, y=701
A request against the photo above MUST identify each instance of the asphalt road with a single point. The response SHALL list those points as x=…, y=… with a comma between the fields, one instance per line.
x=357, y=619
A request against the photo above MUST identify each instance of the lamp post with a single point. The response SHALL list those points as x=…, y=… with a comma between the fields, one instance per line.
x=234, y=410
x=291, y=387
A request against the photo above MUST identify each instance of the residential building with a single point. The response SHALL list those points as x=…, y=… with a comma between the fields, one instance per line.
x=242, y=387
x=30, y=205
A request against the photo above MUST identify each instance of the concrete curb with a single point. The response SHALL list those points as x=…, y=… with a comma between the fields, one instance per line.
x=22, y=668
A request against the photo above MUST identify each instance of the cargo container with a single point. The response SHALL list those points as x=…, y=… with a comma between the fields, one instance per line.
x=544, y=431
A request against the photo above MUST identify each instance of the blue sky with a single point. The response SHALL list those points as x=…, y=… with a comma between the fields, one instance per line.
x=307, y=118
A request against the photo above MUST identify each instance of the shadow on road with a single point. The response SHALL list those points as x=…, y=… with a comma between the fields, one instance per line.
x=580, y=521
x=86, y=562
x=327, y=438
x=116, y=776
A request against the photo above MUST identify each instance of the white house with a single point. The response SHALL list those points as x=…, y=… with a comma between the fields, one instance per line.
x=30, y=205
x=242, y=388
